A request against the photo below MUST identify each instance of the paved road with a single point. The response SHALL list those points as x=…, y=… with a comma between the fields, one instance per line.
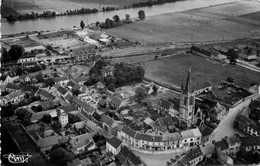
x=225, y=128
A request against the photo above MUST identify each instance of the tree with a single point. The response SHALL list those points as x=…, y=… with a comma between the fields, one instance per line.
x=82, y=25
x=39, y=77
x=141, y=15
x=116, y=18
x=49, y=82
x=140, y=73
x=140, y=93
x=15, y=52
x=60, y=156
x=127, y=17
x=46, y=118
x=5, y=56
x=232, y=56
x=108, y=24
x=73, y=118
x=75, y=92
x=23, y=115
x=155, y=89
x=111, y=87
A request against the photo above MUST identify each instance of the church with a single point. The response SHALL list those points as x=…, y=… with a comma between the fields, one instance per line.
x=184, y=107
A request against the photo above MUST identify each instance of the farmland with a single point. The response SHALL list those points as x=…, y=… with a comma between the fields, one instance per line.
x=173, y=70
x=205, y=24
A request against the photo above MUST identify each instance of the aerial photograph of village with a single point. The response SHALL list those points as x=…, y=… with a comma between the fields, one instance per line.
x=130, y=82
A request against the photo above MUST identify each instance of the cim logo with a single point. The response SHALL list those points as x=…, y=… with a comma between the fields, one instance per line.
x=17, y=159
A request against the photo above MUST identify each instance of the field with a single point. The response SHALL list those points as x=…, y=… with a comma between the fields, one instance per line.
x=26, y=6
x=173, y=71
x=205, y=24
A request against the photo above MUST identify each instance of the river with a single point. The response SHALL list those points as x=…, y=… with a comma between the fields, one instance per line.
x=56, y=23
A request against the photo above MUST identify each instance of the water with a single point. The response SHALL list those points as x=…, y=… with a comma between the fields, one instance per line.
x=57, y=23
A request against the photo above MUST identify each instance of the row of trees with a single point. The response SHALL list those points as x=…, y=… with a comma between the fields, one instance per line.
x=151, y=3
x=34, y=15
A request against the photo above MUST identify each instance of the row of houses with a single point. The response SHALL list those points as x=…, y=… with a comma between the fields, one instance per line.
x=166, y=141
x=224, y=149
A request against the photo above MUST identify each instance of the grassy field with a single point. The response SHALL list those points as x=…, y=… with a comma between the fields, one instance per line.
x=173, y=71
x=252, y=16
x=205, y=24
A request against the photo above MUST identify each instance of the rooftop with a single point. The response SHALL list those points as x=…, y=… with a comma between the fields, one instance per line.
x=13, y=95
x=81, y=140
x=106, y=119
x=191, y=133
x=128, y=131
x=115, y=142
x=166, y=104
x=48, y=141
x=222, y=145
x=250, y=141
x=126, y=155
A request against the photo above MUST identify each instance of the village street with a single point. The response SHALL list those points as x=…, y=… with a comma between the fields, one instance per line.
x=225, y=128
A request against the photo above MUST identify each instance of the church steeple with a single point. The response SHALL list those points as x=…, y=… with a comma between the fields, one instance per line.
x=188, y=85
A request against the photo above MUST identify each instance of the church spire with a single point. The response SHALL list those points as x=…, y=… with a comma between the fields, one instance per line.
x=188, y=82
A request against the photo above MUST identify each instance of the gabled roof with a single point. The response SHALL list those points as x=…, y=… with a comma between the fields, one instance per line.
x=116, y=101
x=147, y=137
x=44, y=93
x=69, y=97
x=81, y=140
x=126, y=155
x=165, y=121
x=166, y=104
x=12, y=86
x=13, y=95
x=148, y=121
x=38, y=115
x=48, y=141
x=171, y=136
x=250, y=141
x=200, y=50
x=222, y=145
x=207, y=149
x=191, y=133
x=85, y=105
x=23, y=76
x=232, y=140
x=68, y=108
x=191, y=155
x=81, y=79
x=62, y=90
x=106, y=119
x=115, y=142
x=49, y=104
x=75, y=162
x=128, y=131
x=205, y=130
x=58, y=79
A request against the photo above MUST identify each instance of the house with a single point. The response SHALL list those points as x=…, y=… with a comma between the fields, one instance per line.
x=205, y=132
x=25, y=78
x=127, y=157
x=223, y=157
x=148, y=121
x=207, y=151
x=81, y=80
x=249, y=144
x=61, y=91
x=47, y=143
x=192, y=158
x=82, y=142
x=73, y=85
x=44, y=95
x=79, y=125
x=27, y=59
x=71, y=108
x=113, y=145
x=191, y=137
x=204, y=87
x=86, y=109
x=12, y=98
x=11, y=87
x=100, y=85
x=222, y=145
x=165, y=123
x=48, y=104
x=115, y=102
x=68, y=98
x=102, y=103
x=38, y=115
x=9, y=79
x=165, y=106
x=247, y=125
x=233, y=144
x=218, y=112
x=107, y=123
x=107, y=70
x=201, y=52
x=61, y=80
